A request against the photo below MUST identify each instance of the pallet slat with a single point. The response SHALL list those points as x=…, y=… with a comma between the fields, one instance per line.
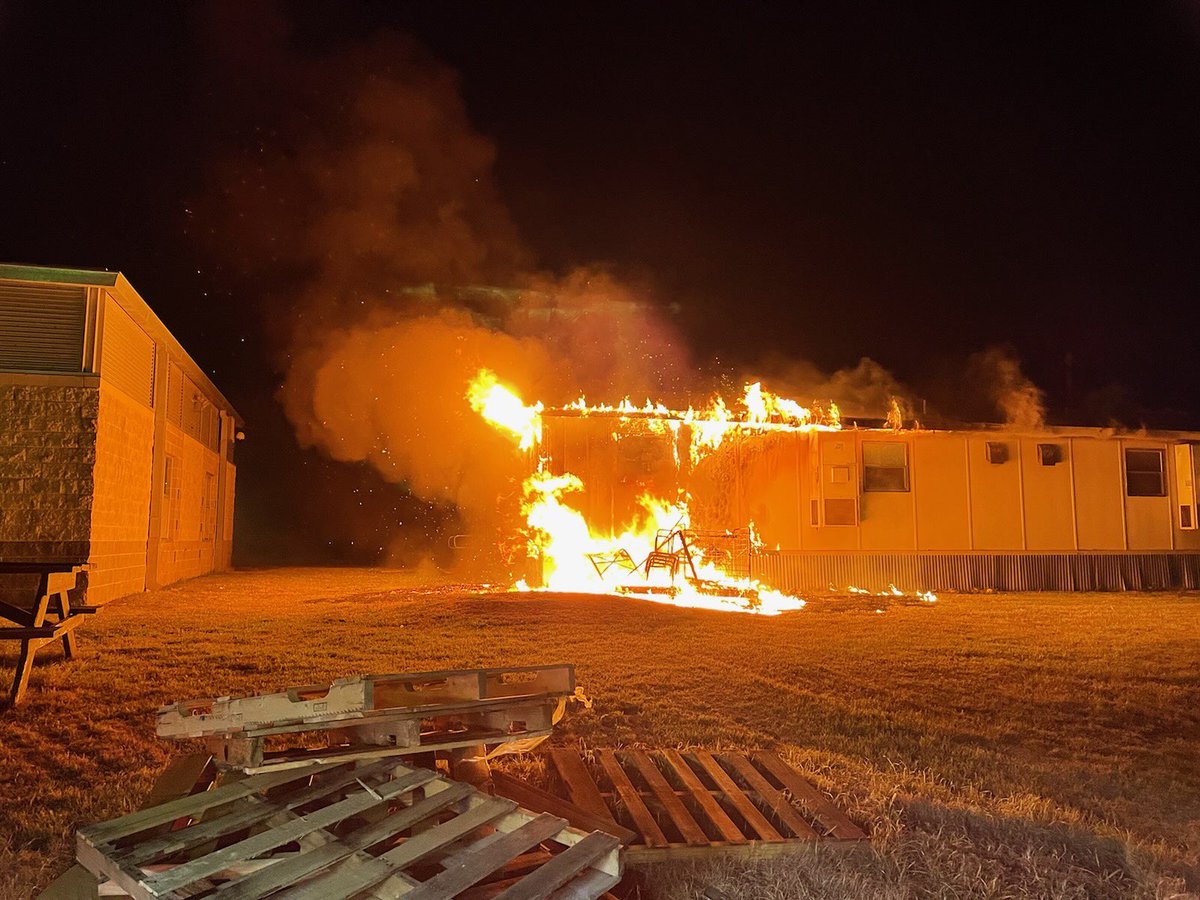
x=743, y=804
x=194, y=804
x=337, y=823
x=289, y=871
x=711, y=808
x=836, y=821
x=580, y=786
x=488, y=859
x=357, y=802
x=651, y=833
x=787, y=814
x=250, y=812
x=725, y=804
x=561, y=869
x=687, y=825
x=538, y=800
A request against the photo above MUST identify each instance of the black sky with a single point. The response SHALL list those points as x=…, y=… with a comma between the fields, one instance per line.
x=826, y=182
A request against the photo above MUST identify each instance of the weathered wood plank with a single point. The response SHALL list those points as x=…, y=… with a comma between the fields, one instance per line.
x=537, y=800
x=48, y=630
x=478, y=865
x=194, y=804
x=562, y=868
x=711, y=808
x=580, y=785
x=826, y=812
x=743, y=804
x=251, y=811
x=771, y=796
x=290, y=871
x=346, y=880
x=587, y=886
x=651, y=833
x=175, y=878
x=687, y=825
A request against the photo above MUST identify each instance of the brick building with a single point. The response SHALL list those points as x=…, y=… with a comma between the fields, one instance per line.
x=114, y=446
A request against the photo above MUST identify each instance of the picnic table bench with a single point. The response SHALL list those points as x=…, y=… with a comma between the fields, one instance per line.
x=56, y=579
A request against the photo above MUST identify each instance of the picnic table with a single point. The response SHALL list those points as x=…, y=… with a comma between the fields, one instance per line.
x=56, y=579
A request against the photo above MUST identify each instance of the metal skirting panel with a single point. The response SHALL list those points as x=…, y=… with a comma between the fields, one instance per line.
x=978, y=571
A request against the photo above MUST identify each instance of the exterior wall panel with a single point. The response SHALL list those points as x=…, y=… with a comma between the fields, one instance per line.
x=1099, y=494
x=889, y=517
x=127, y=355
x=1048, y=494
x=942, y=491
x=1148, y=519
x=997, y=519
x=771, y=490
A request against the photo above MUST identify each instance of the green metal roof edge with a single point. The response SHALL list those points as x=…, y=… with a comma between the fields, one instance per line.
x=61, y=276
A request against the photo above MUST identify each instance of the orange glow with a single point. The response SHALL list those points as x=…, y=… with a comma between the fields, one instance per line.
x=656, y=556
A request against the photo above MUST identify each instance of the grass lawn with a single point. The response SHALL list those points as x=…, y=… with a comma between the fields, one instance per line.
x=996, y=746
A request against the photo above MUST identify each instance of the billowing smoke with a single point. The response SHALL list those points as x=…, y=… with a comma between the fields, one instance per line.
x=378, y=199
x=363, y=187
x=996, y=372
x=865, y=389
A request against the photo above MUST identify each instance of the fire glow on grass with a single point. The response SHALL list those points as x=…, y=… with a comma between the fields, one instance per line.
x=561, y=538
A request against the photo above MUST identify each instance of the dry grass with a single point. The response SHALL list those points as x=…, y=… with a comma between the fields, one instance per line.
x=997, y=746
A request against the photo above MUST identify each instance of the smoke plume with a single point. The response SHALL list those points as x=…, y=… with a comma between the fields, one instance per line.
x=360, y=193
x=377, y=204
x=997, y=373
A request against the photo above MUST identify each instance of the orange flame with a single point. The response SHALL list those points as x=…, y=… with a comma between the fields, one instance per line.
x=503, y=408
x=576, y=560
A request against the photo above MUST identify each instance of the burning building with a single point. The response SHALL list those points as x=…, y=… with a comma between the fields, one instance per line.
x=793, y=499
x=115, y=448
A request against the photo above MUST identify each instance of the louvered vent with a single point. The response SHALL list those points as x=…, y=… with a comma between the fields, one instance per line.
x=175, y=388
x=127, y=355
x=41, y=327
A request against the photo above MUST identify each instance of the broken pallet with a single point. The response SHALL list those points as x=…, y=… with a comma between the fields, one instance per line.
x=689, y=803
x=377, y=715
x=377, y=829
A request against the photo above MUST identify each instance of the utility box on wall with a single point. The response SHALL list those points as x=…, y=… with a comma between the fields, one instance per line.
x=1185, y=485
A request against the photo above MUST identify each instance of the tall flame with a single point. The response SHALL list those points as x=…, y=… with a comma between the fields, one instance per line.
x=503, y=408
x=576, y=559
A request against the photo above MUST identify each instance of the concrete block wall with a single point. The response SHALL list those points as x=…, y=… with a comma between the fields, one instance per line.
x=121, y=501
x=47, y=453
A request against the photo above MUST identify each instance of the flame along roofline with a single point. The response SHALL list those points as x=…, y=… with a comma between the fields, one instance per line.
x=878, y=424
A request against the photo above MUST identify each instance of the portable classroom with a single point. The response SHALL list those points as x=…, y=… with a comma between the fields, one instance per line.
x=976, y=508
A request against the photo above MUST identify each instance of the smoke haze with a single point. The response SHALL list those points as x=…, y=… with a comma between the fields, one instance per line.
x=379, y=199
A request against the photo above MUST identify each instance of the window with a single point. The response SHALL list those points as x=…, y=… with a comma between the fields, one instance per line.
x=997, y=452
x=1144, y=473
x=1050, y=454
x=885, y=466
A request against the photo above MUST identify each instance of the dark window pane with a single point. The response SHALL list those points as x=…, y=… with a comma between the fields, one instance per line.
x=884, y=453
x=1144, y=473
x=885, y=478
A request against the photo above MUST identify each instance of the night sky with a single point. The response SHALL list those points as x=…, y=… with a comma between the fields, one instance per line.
x=818, y=183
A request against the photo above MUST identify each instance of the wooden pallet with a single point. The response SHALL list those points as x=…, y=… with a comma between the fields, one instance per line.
x=377, y=715
x=374, y=829
x=690, y=803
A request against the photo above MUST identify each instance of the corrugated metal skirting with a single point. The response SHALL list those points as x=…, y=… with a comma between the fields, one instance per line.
x=800, y=571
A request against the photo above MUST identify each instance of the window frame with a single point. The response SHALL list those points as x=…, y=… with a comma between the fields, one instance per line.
x=867, y=488
x=1162, y=471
